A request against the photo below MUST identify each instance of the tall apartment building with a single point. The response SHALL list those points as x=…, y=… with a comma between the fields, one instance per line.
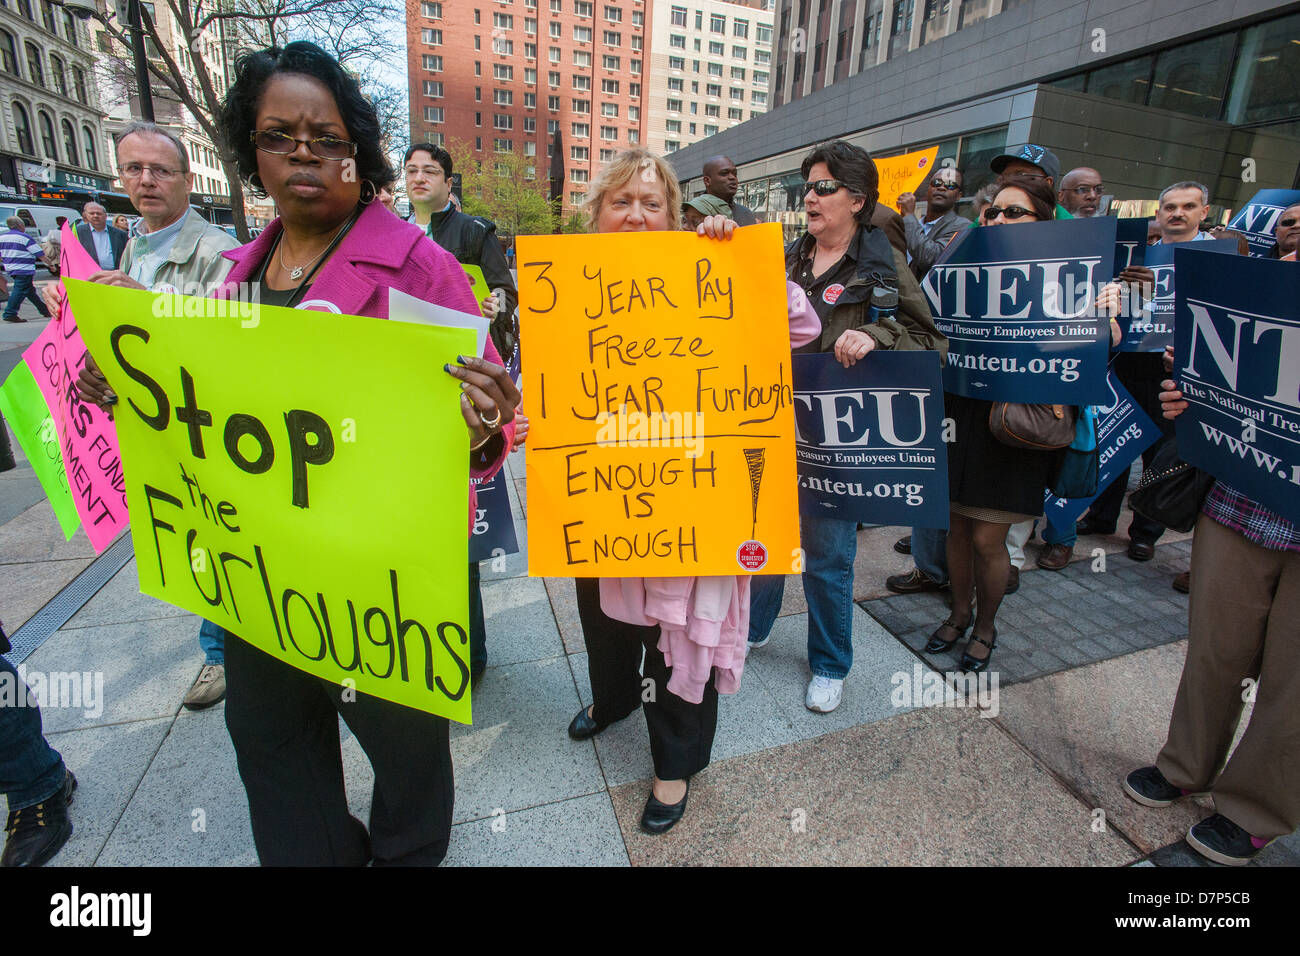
x=51, y=126
x=710, y=67
x=824, y=41
x=505, y=75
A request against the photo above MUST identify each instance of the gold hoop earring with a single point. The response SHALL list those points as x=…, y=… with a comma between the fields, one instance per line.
x=373, y=192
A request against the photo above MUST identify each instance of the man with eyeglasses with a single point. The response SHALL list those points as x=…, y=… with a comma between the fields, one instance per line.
x=173, y=250
x=927, y=237
x=105, y=243
x=1081, y=191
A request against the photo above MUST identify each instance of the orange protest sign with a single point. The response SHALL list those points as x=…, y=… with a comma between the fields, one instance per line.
x=904, y=174
x=658, y=388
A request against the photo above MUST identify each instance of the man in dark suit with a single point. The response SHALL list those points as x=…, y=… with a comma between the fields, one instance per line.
x=927, y=237
x=105, y=243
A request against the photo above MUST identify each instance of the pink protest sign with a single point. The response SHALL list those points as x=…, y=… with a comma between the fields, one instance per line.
x=87, y=437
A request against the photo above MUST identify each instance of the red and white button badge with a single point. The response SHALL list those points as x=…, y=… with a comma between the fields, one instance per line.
x=751, y=555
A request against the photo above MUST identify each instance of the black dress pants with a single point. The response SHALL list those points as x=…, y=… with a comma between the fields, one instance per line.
x=681, y=733
x=1140, y=373
x=284, y=725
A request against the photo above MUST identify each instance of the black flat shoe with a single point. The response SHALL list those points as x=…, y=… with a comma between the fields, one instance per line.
x=583, y=727
x=973, y=665
x=938, y=645
x=661, y=817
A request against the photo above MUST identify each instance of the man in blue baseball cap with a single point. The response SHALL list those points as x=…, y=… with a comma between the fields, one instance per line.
x=1034, y=162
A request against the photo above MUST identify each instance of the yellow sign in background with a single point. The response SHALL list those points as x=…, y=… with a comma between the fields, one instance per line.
x=904, y=174
x=299, y=478
x=658, y=386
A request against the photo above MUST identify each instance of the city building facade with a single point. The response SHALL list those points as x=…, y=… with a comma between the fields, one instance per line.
x=507, y=75
x=52, y=136
x=1147, y=93
x=710, y=68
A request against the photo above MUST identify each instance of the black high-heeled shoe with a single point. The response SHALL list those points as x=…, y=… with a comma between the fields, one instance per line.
x=660, y=817
x=973, y=665
x=584, y=726
x=938, y=645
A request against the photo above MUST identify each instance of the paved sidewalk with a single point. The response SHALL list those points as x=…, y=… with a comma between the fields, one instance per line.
x=1085, y=697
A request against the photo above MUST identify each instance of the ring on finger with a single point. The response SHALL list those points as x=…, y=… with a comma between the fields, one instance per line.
x=492, y=423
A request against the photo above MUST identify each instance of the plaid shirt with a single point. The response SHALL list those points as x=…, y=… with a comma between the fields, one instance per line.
x=1250, y=519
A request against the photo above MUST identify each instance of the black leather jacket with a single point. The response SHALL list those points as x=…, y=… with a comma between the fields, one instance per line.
x=473, y=241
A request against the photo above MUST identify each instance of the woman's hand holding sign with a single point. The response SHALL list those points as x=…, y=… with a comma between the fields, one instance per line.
x=488, y=397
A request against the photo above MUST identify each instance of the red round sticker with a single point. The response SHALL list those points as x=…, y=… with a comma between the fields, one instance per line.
x=751, y=555
x=921, y=164
x=832, y=293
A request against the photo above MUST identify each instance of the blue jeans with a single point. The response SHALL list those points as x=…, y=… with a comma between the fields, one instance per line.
x=1052, y=535
x=765, y=594
x=829, y=549
x=930, y=553
x=22, y=288
x=212, y=640
x=30, y=769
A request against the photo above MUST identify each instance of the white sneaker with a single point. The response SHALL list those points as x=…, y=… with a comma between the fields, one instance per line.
x=754, y=645
x=824, y=694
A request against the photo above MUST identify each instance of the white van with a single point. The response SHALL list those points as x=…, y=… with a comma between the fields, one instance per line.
x=38, y=219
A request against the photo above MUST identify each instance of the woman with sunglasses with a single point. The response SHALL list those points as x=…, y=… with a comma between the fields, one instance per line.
x=303, y=134
x=991, y=485
x=838, y=263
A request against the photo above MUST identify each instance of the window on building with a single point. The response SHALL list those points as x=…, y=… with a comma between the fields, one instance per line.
x=431, y=37
x=553, y=104
x=578, y=176
x=674, y=106
x=737, y=93
x=695, y=108
x=609, y=86
x=717, y=23
x=713, y=110
x=633, y=137
x=530, y=26
x=1129, y=81
x=675, y=84
x=34, y=65
x=675, y=63
x=762, y=57
x=713, y=89
x=554, y=53
x=503, y=47
x=763, y=34
x=613, y=14
x=503, y=21
x=502, y=71
x=530, y=149
x=478, y=94
x=715, y=69
x=677, y=16
x=582, y=34
x=433, y=88
x=582, y=58
x=634, y=113
x=69, y=143
x=70, y=34
x=613, y=38
x=580, y=106
x=9, y=54
x=676, y=42
x=709, y=130
x=583, y=8
x=553, y=79
x=760, y=78
x=47, y=134
x=431, y=10
x=577, y=199
x=717, y=48
x=609, y=109
x=1193, y=78
x=503, y=121
x=503, y=98
x=478, y=144
x=530, y=124
x=478, y=43
x=552, y=127
x=758, y=98
x=581, y=130
x=580, y=82
x=23, y=130
x=738, y=73
x=634, y=90
x=610, y=62
x=735, y=114
x=57, y=73
x=579, y=154
x=672, y=145
x=699, y=19
x=530, y=76
x=740, y=29
x=557, y=6
x=478, y=119
x=606, y=155
x=478, y=68
x=434, y=114
x=530, y=51
x=609, y=133
x=635, y=43
x=1263, y=85
x=555, y=29
x=634, y=67
x=79, y=84
x=431, y=63
x=672, y=126
x=530, y=101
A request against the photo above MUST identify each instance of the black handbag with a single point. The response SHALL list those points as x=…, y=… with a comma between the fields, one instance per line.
x=1171, y=491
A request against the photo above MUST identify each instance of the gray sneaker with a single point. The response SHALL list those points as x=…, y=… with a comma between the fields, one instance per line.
x=209, y=687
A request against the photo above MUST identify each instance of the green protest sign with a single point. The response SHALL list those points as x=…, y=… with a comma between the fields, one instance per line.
x=299, y=478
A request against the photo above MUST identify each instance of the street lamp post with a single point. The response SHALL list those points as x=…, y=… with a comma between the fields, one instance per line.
x=85, y=9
